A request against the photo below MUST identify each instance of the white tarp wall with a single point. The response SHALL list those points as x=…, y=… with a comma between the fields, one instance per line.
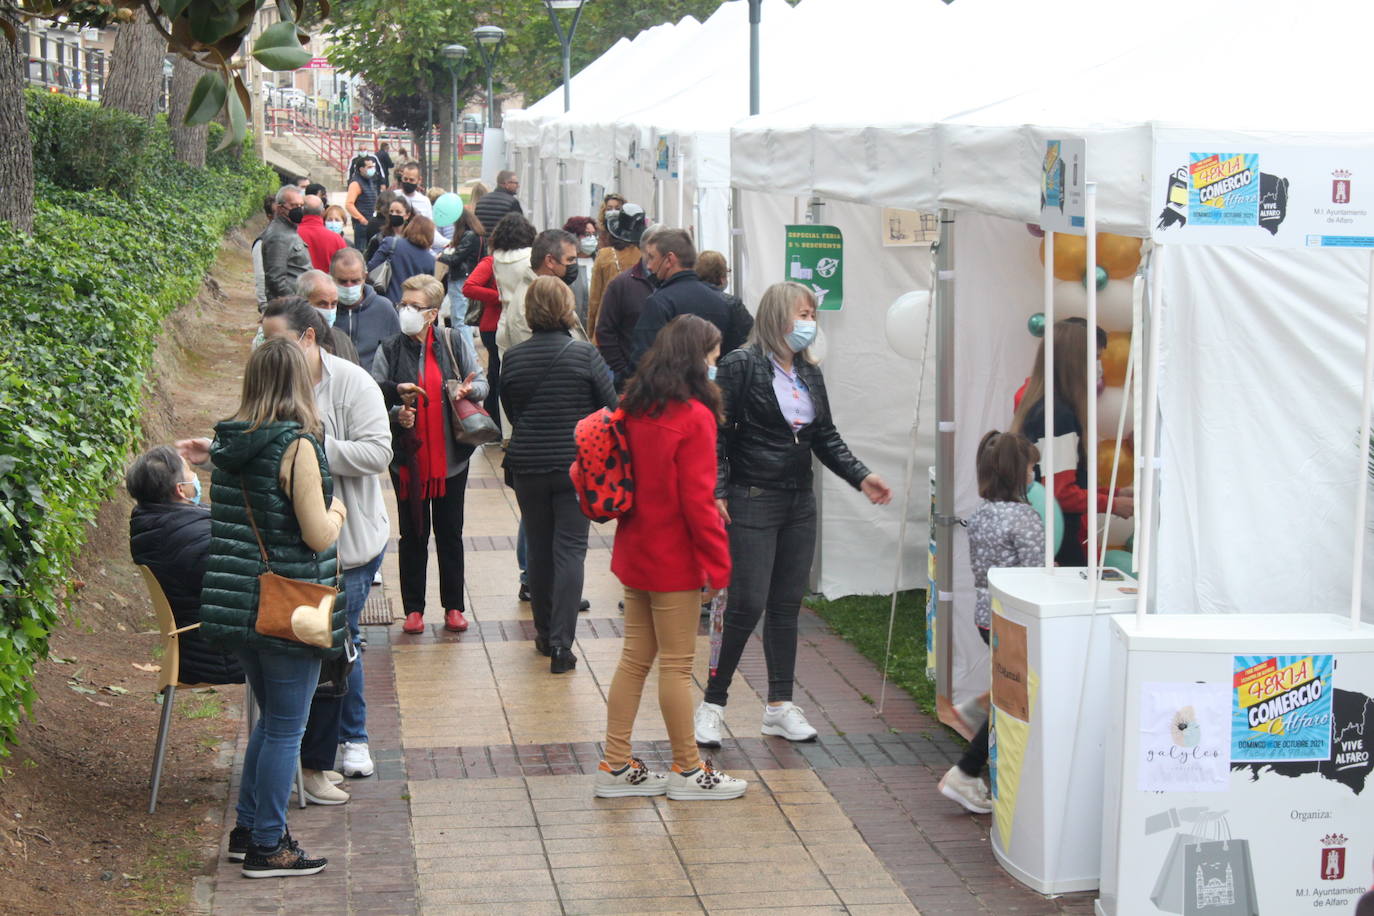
x=872, y=390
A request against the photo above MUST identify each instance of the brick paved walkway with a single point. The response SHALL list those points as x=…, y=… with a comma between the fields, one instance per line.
x=482, y=798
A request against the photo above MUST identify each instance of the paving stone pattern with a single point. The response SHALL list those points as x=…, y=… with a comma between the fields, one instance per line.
x=482, y=798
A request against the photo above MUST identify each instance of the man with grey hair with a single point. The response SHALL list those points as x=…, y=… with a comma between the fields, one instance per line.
x=553, y=254
x=317, y=288
x=670, y=257
x=621, y=306
x=284, y=254
x=499, y=201
x=319, y=241
x=367, y=318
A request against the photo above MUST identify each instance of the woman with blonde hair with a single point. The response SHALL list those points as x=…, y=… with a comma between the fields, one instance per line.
x=429, y=470
x=548, y=383
x=777, y=417
x=272, y=499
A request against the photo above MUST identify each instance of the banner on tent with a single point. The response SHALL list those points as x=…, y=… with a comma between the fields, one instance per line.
x=665, y=156
x=814, y=257
x=1063, y=174
x=1262, y=195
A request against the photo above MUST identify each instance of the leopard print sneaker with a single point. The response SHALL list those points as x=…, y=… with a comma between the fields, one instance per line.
x=703, y=782
x=634, y=778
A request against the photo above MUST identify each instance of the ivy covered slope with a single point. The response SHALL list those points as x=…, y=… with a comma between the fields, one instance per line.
x=123, y=234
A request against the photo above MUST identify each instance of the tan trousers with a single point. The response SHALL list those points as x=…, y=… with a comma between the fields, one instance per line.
x=662, y=624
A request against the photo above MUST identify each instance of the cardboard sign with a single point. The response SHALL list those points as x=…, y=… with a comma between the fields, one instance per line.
x=1009, y=668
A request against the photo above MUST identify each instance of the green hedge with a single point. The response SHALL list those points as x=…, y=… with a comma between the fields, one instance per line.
x=118, y=244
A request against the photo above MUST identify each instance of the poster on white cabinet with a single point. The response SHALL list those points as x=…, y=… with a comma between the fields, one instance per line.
x=1185, y=737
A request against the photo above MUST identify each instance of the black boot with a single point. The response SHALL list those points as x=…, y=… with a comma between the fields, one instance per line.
x=561, y=660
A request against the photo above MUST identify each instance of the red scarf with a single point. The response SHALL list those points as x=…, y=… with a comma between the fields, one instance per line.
x=431, y=449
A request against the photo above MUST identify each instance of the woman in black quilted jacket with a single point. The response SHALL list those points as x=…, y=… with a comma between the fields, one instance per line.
x=548, y=383
x=169, y=532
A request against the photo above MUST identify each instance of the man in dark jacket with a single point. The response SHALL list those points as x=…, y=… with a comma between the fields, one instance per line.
x=169, y=532
x=367, y=318
x=670, y=256
x=621, y=306
x=499, y=201
x=284, y=255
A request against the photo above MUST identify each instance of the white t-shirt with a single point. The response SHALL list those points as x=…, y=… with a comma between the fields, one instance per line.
x=419, y=202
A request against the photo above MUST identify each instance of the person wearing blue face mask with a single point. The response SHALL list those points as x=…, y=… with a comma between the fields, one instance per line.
x=777, y=417
x=317, y=288
x=169, y=532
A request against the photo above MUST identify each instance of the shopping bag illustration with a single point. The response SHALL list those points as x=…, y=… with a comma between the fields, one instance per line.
x=717, y=628
x=1218, y=879
x=1168, y=891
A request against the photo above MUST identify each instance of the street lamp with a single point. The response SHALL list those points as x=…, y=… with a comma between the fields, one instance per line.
x=454, y=54
x=565, y=39
x=489, y=39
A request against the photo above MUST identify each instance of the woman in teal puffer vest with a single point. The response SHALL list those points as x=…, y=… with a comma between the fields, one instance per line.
x=268, y=458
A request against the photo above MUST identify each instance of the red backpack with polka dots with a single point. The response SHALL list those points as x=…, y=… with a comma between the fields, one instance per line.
x=601, y=472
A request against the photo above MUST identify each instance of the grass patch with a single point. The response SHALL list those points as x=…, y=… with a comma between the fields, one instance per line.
x=205, y=705
x=163, y=883
x=862, y=620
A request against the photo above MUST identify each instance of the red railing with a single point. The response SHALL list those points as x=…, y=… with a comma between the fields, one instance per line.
x=337, y=138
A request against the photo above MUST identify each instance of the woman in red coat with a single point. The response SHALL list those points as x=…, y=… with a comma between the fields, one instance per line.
x=669, y=547
x=481, y=286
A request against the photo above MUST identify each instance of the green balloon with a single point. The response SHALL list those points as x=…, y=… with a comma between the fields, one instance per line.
x=1102, y=278
x=1035, y=495
x=447, y=208
x=1120, y=559
x=1036, y=324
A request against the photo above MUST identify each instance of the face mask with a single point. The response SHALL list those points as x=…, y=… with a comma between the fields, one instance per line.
x=654, y=281
x=409, y=187
x=570, y=274
x=350, y=295
x=334, y=225
x=588, y=245
x=368, y=173
x=802, y=335
x=396, y=220
x=327, y=315
x=412, y=321
x=710, y=372
x=296, y=214
x=195, y=484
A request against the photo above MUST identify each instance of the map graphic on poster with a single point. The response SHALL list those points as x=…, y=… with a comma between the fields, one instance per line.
x=1352, y=740
x=1281, y=708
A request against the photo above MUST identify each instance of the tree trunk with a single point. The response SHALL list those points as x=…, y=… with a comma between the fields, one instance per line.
x=16, y=147
x=135, y=81
x=443, y=173
x=188, y=143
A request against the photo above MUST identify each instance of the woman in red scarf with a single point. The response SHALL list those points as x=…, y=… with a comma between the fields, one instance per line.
x=430, y=471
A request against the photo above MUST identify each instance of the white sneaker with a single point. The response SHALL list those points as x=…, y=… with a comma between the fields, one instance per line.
x=969, y=791
x=377, y=577
x=972, y=713
x=356, y=760
x=787, y=721
x=634, y=778
x=708, y=721
x=319, y=790
x=703, y=783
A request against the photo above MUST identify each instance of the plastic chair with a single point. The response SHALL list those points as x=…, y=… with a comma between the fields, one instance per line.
x=169, y=679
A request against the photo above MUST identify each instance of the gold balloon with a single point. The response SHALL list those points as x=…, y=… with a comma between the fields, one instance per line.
x=1125, y=472
x=1120, y=254
x=1070, y=256
x=1114, y=358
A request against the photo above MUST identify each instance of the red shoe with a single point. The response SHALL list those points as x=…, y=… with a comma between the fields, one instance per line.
x=454, y=621
x=415, y=623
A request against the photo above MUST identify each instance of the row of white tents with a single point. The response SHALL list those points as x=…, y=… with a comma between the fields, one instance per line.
x=918, y=104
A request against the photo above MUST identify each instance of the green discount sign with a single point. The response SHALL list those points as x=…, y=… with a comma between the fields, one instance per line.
x=815, y=259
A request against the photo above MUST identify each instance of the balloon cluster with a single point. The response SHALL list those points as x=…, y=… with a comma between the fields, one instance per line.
x=1118, y=257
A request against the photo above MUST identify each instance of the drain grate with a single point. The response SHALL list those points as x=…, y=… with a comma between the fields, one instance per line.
x=377, y=610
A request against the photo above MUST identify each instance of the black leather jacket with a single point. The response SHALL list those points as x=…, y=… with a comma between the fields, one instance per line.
x=757, y=447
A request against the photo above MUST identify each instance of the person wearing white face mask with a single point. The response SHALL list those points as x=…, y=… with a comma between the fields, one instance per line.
x=430, y=471
x=317, y=288
x=777, y=417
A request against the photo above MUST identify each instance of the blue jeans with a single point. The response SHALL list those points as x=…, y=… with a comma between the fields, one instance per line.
x=282, y=686
x=353, y=715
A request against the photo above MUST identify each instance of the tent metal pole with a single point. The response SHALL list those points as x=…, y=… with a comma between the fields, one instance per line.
x=1091, y=356
x=1047, y=465
x=755, y=17
x=736, y=243
x=944, y=457
x=815, y=212
x=1362, y=484
x=1146, y=469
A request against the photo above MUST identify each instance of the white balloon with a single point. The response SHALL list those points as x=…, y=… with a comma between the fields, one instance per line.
x=1070, y=300
x=1109, y=406
x=1114, y=305
x=906, y=323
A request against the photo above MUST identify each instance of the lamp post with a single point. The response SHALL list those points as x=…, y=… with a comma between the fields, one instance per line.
x=454, y=54
x=565, y=40
x=755, y=17
x=489, y=39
